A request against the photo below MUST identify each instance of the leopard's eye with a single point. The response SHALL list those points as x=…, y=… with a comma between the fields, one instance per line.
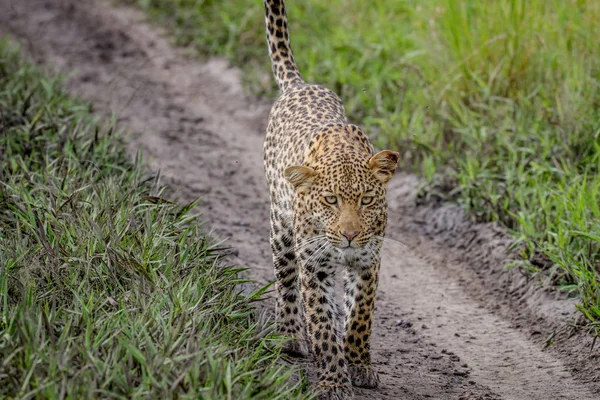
x=331, y=200
x=366, y=200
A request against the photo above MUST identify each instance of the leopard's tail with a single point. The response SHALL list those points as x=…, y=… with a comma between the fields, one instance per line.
x=284, y=67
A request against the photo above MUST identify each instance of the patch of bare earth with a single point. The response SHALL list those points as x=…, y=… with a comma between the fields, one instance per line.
x=451, y=322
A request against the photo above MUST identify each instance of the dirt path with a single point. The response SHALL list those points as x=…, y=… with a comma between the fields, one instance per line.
x=450, y=322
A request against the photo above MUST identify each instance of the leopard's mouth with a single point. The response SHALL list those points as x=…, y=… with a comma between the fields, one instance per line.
x=343, y=244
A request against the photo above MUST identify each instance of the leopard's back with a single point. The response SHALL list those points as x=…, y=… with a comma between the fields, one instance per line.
x=301, y=110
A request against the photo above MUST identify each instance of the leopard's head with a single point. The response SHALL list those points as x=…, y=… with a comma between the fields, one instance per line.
x=342, y=186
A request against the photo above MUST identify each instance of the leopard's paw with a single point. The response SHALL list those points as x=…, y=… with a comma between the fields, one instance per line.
x=363, y=376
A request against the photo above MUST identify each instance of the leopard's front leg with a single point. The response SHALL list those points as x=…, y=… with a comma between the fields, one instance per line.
x=360, y=285
x=289, y=307
x=317, y=281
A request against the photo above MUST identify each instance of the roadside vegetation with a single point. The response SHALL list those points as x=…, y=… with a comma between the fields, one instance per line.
x=496, y=104
x=107, y=289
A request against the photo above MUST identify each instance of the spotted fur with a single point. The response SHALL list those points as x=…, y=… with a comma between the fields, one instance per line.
x=328, y=215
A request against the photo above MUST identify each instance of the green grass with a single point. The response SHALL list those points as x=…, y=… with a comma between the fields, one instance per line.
x=106, y=288
x=494, y=102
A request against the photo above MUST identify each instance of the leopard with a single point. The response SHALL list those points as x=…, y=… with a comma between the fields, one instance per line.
x=328, y=215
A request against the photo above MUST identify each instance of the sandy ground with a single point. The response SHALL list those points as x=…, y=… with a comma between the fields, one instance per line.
x=451, y=322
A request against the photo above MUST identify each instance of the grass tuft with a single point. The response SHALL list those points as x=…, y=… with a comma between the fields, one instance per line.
x=107, y=289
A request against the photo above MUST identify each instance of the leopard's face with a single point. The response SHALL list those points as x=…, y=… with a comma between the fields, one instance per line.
x=348, y=204
x=344, y=198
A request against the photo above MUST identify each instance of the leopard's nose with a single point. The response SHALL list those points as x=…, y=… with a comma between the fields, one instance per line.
x=349, y=235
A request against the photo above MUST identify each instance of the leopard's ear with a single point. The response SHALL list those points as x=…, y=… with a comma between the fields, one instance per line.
x=300, y=177
x=383, y=165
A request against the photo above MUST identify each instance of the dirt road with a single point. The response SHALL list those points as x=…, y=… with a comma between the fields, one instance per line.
x=450, y=323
